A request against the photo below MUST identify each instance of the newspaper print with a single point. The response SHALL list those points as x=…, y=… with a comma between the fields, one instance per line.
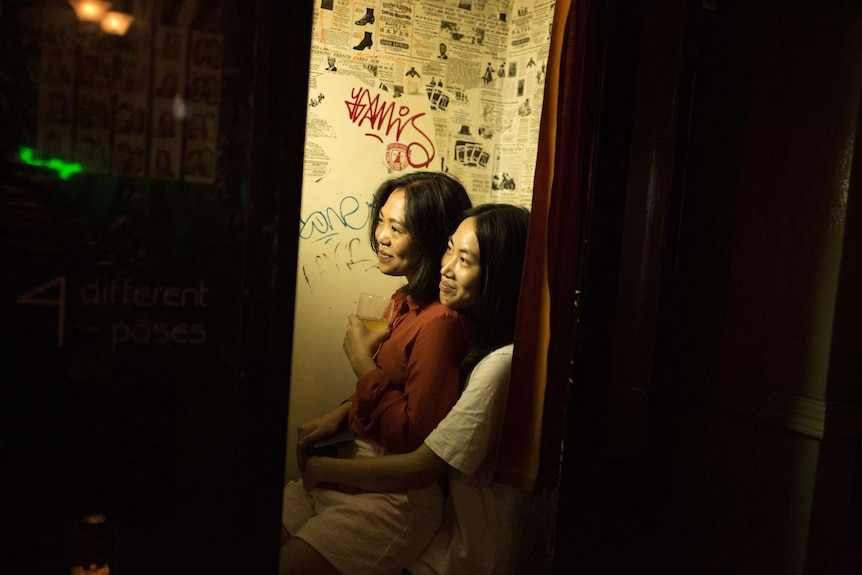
x=479, y=65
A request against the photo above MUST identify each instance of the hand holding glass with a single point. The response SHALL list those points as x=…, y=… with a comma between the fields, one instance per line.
x=374, y=311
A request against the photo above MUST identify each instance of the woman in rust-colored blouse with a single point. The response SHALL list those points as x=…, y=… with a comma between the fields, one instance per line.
x=409, y=377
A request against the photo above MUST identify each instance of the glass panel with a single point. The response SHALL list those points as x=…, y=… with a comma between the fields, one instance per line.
x=123, y=200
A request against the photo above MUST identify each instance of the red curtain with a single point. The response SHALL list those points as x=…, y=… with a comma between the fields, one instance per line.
x=531, y=442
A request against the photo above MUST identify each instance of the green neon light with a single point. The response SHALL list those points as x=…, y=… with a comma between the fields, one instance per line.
x=64, y=169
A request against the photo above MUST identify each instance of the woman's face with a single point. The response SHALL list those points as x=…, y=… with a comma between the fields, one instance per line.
x=460, y=268
x=395, y=255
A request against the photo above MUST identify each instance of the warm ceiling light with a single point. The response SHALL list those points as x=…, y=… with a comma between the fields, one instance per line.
x=116, y=23
x=90, y=10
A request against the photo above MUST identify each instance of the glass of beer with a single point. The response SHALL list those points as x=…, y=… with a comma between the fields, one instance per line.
x=374, y=311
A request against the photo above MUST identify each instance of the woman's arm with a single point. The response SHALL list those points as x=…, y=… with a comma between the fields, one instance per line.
x=462, y=441
x=399, y=415
x=319, y=428
x=324, y=426
x=399, y=472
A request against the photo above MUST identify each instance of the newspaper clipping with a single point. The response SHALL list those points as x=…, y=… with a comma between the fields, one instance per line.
x=438, y=84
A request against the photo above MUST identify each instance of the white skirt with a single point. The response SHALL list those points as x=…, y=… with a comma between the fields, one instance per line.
x=363, y=533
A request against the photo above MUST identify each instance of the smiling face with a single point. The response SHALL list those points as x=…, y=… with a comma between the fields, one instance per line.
x=395, y=247
x=460, y=268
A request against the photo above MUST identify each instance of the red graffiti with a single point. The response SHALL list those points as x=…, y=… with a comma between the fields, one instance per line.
x=387, y=119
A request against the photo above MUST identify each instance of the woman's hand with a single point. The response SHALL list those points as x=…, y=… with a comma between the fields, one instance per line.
x=303, y=453
x=361, y=344
x=322, y=427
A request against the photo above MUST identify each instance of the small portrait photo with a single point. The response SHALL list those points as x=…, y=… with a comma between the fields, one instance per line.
x=92, y=151
x=163, y=166
x=124, y=118
x=171, y=45
x=200, y=52
x=166, y=125
x=197, y=128
x=93, y=110
x=167, y=87
x=214, y=54
x=128, y=159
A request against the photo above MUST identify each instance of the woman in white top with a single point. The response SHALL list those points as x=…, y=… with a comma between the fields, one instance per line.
x=481, y=272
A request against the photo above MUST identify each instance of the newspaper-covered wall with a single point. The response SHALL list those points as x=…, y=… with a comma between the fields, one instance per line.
x=452, y=85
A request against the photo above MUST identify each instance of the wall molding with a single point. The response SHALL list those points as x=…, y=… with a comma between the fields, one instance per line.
x=817, y=418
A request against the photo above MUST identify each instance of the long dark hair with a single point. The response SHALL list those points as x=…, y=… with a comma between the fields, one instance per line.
x=433, y=201
x=501, y=230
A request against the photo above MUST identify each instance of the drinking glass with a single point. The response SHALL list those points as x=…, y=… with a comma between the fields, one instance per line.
x=374, y=311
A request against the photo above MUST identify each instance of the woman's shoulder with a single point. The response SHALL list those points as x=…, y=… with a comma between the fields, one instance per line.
x=504, y=351
x=435, y=309
x=499, y=358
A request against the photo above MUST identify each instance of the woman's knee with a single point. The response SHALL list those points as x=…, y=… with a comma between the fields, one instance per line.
x=300, y=558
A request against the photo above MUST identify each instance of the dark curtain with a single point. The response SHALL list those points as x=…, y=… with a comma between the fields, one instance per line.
x=531, y=443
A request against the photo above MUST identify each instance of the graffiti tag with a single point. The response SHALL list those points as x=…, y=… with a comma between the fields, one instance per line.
x=386, y=119
x=351, y=214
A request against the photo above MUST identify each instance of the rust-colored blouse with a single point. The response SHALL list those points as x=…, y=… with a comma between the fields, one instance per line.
x=417, y=380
